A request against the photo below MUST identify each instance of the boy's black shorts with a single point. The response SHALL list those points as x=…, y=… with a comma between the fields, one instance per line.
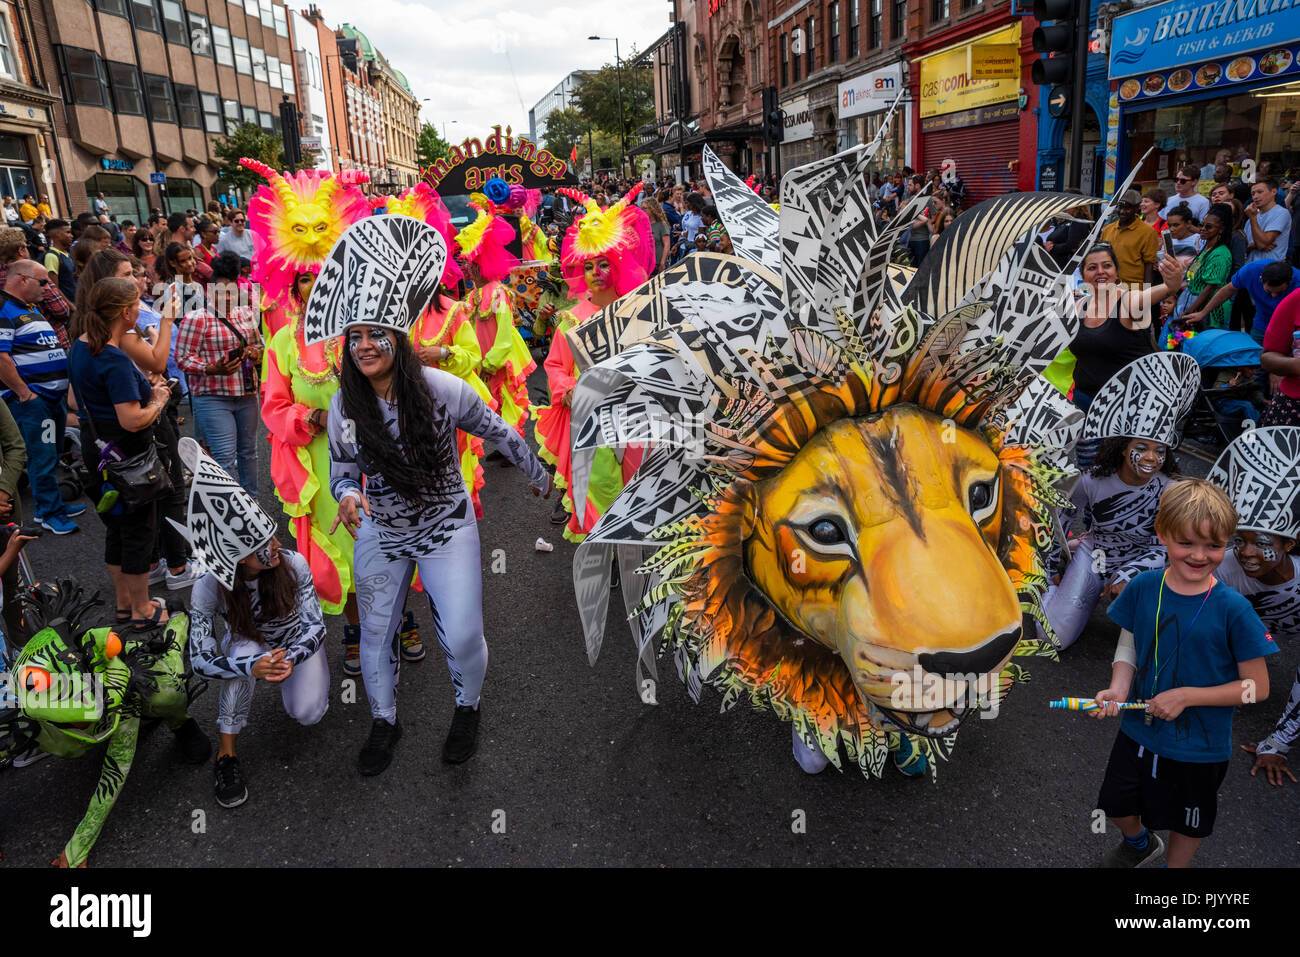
x=1178, y=796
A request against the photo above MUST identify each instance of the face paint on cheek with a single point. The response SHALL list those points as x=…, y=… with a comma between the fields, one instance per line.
x=383, y=344
x=263, y=554
x=1267, y=549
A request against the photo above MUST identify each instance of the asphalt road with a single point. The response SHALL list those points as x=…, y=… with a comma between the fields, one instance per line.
x=573, y=769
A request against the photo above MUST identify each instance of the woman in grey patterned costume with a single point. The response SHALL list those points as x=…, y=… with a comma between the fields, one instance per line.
x=394, y=422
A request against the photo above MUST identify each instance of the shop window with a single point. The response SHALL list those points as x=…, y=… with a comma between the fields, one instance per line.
x=7, y=61
x=200, y=37
x=183, y=195
x=17, y=181
x=124, y=79
x=222, y=47
x=250, y=116
x=84, y=80
x=145, y=16
x=281, y=21
x=158, y=93
x=230, y=109
x=174, y=22
x=833, y=33
x=13, y=149
x=212, y=113
x=188, y=110
x=877, y=29
x=259, y=64
x=126, y=195
x=900, y=20
x=810, y=45
x=939, y=10
x=115, y=7
x=242, y=61
x=273, y=72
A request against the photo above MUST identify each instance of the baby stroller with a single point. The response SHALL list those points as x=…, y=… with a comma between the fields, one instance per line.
x=1230, y=389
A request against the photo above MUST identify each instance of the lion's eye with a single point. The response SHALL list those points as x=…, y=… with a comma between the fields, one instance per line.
x=826, y=531
x=982, y=499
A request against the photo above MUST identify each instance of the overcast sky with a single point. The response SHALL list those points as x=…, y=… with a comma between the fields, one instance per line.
x=459, y=53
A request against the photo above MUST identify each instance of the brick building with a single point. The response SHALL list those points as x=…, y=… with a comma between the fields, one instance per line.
x=146, y=84
x=987, y=128
x=28, y=103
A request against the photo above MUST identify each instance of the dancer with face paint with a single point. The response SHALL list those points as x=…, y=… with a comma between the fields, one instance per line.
x=490, y=310
x=1260, y=471
x=274, y=628
x=600, y=258
x=1135, y=415
x=298, y=380
x=443, y=336
x=393, y=424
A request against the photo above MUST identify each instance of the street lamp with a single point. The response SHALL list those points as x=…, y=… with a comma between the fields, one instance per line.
x=618, y=78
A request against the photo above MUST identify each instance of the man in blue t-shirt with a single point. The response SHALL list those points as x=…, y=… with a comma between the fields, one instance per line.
x=1193, y=650
x=1267, y=283
x=34, y=373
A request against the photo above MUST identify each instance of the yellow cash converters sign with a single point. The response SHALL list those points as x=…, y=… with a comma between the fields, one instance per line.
x=947, y=83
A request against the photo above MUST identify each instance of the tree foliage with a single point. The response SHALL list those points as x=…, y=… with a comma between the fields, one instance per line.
x=430, y=147
x=564, y=128
x=252, y=141
x=597, y=98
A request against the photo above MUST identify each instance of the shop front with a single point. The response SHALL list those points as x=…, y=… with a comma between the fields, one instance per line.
x=126, y=194
x=1190, y=79
x=864, y=102
x=970, y=101
x=24, y=166
x=798, y=147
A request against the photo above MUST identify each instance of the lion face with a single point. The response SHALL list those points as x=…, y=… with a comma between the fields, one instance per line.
x=879, y=541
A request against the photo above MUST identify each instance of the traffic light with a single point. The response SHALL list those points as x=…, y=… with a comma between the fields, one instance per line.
x=1058, y=40
x=773, y=121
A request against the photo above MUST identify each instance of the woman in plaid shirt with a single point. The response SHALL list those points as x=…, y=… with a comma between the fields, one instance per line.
x=219, y=349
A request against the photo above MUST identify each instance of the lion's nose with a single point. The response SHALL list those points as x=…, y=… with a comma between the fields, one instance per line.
x=977, y=661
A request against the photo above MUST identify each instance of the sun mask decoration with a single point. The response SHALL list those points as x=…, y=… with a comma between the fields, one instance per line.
x=422, y=202
x=295, y=220
x=854, y=471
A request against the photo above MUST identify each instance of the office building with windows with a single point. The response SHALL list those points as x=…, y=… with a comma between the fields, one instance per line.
x=147, y=85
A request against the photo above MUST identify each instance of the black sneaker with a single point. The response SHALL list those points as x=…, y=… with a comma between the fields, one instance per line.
x=559, y=514
x=378, y=752
x=1126, y=856
x=193, y=743
x=228, y=783
x=462, y=739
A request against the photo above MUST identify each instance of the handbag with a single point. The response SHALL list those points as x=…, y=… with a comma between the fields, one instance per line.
x=138, y=480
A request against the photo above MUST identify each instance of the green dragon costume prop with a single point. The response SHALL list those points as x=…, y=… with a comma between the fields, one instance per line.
x=76, y=688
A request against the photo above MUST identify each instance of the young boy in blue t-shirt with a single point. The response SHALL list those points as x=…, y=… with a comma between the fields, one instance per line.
x=1193, y=649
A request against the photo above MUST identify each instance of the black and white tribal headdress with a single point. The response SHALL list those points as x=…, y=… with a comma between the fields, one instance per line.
x=1145, y=400
x=225, y=523
x=1260, y=471
x=382, y=271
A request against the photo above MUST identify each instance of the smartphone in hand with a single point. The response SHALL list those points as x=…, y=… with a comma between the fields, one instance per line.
x=235, y=353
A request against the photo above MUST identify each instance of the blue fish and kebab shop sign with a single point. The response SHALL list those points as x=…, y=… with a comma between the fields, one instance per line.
x=1181, y=32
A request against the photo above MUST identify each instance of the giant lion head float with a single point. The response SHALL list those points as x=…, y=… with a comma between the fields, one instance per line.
x=854, y=469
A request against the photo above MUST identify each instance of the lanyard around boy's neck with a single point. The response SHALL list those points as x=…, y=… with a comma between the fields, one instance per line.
x=1156, y=664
